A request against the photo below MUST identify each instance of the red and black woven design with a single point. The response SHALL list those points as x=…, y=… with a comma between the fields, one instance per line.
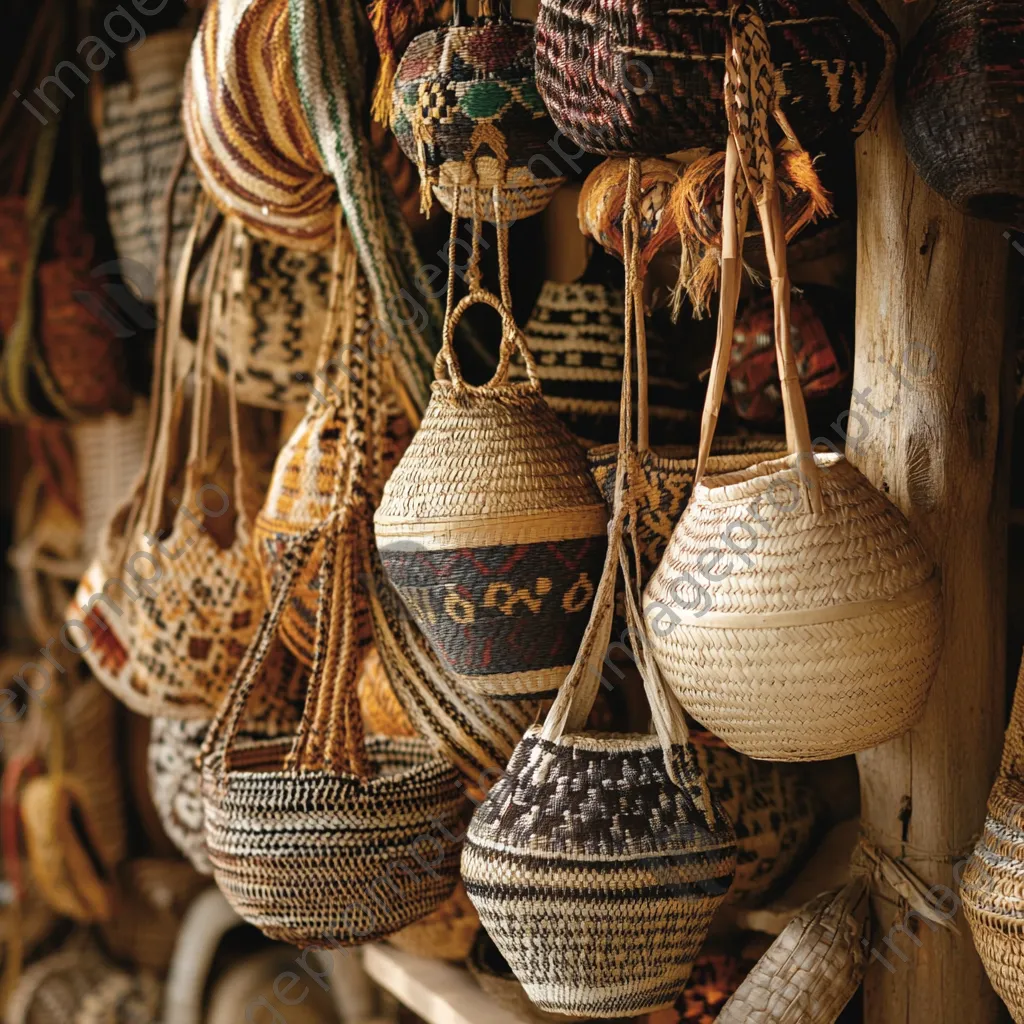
x=961, y=98
x=494, y=612
x=645, y=77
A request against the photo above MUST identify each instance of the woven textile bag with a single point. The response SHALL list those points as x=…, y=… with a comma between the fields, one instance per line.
x=836, y=653
x=275, y=98
x=597, y=862
x=992, y=886
x=490, y=528
x=302, y=831
x=269, y=320
x=175, y=781
x=467, y=112
x=813, y=969
x=645, y=78
x=959, y=96
x=140, y=138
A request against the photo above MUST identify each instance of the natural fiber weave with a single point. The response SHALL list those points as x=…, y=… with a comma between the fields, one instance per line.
x=140, y=137
x=382, y=711
x=52, y=989
x=812, y=970
x=492, y=531
x=646, y=79
x=122, y=998
x=794, y=613
x=466, y=111
x=992, y=886
x=575, y=333
x=446, y=934
x=959, y=95
x=270, y=322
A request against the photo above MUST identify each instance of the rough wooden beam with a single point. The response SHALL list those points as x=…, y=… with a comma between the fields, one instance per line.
x=927, y=426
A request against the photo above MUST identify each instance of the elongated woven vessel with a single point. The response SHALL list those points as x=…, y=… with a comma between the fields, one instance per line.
x=492, y=531
x=992, y=887
x=794, y=613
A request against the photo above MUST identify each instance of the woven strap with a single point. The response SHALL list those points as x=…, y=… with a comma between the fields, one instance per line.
x=329, y=41
x=750, y=99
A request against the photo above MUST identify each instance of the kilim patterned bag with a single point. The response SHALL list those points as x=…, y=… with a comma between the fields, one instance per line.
x=302, y=832
x=992, y=889
x=490, y=528
x=837, y=652
x=959, y=95
x=645, y=78
x=275, y=97
x=467, y=112
x=175, y=783
x=140, y=138
x=597, y=862
x=269, y=319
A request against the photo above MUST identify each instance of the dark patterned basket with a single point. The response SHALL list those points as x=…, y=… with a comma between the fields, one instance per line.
x=467, y=112
x=645, y=77
x=961, y=99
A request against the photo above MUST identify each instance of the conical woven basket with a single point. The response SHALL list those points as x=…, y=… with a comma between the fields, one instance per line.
x=992, y=886
x=597, y=861
x=794, y=613
x=491, y=529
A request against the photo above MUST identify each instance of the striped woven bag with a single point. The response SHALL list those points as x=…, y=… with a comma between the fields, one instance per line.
x=835, y=652
x=303, y=833
x=597, y=862
x=274, y=106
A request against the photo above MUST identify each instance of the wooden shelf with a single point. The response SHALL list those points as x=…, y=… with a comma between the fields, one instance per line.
x=438, y=992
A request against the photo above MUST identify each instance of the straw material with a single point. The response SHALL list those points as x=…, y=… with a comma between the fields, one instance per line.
x=122, y=998
x=466, y=111
x=620, y=84
x=175, y=781
x=52, y=989
x=271, y=321
x=812, y=970
x=771, y=807
x=492, y=531
x=792, y=635
x=794, y=613
x=575, y=333
x=959, y=96
x=382, y=711
x=140, y=137
x=446, y=934
x=992, y=887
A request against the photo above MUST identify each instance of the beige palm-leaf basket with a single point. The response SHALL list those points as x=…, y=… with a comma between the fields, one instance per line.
x=491, y=530
x=794, y=613
x=992, y=887
x=812, y=970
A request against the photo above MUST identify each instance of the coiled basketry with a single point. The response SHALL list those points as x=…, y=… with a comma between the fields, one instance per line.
x=467, y=112
x=960, y=100
x=992, y=886
x=794, y=613
x=645, y=78
x=491, y=529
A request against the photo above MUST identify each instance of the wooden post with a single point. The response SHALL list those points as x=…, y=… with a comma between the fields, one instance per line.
x=927, y=426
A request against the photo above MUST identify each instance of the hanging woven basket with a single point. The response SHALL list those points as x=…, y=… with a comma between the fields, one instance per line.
x=467, y=112
x=491, y=529
x=794, y=613
x=961, y=104
x=992, y=886
x=647, y=79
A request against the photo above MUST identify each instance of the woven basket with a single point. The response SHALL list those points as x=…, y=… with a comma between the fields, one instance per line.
x=959, y=95
x=772, y=809
x=647, y=79
x=575, y=334
x=491, y=530
x=382, y=710
x=812, y=970
x=466, y=111
x=794, y=613
x=122, y=998
x=52, y=989
x=992, y=886
x=270, y=321
x=175, y=781
x=446, y=934
x=140, y=138
x=597, y=861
